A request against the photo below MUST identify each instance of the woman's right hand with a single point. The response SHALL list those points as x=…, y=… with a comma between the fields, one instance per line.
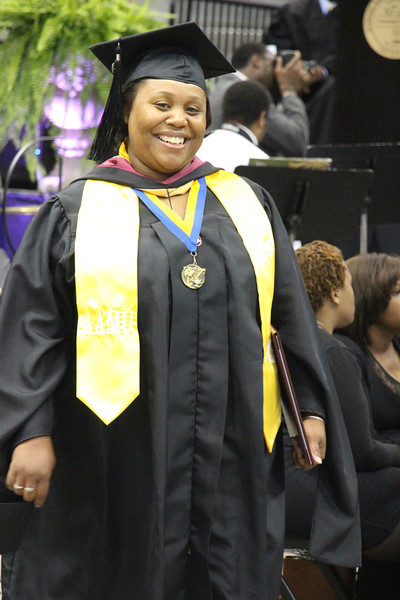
x=32, y=464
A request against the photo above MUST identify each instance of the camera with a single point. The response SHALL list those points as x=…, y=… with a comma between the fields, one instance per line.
x=287, y=55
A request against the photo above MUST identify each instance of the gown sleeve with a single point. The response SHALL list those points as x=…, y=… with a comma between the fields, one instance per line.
x=293, y=317
x=36, y=316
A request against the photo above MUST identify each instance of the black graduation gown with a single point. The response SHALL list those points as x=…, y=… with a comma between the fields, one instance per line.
x=178, y=498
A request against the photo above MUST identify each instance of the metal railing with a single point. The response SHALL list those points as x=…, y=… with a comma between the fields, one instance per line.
x=228, y=23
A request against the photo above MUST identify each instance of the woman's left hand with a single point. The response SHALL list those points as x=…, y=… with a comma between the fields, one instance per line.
x=315, y=432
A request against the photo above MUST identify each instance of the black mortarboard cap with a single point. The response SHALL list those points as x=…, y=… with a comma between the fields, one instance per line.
x=151, y=54
x=180, y=53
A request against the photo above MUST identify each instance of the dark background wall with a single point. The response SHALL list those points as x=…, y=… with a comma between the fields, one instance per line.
x=368, y=85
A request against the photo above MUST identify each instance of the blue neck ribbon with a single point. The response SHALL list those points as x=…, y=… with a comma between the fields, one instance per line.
x=189, y=241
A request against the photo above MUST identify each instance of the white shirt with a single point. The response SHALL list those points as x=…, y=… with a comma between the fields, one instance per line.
x=327, y=5
x=227, y=150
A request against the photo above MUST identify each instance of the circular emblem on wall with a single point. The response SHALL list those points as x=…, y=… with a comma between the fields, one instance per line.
x=381, y=25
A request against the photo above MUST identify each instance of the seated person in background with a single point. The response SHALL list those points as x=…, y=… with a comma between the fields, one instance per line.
x=376, y=327
x=245, y=109
x=288, y=125
x=328, y=284
x=310, y=26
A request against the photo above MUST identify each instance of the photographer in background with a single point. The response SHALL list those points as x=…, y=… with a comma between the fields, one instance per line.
x=310, y=26
x=288, y=125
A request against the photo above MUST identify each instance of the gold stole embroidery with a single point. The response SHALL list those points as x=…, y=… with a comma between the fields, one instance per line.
x=108, y=358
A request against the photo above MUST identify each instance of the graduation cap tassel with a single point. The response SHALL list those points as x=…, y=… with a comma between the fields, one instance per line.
x=105, y=142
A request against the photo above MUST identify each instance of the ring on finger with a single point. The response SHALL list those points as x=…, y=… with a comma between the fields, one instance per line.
x=18, y=487
x=29, y=490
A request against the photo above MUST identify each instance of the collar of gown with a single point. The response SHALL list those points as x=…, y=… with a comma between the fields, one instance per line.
x=120, y=162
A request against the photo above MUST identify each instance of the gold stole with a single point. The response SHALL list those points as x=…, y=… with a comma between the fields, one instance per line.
x=254, y=227
x=107, y=342
x=108, y=355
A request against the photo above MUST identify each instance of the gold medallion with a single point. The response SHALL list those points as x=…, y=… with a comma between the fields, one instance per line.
x=192, y=275
x=381, y=26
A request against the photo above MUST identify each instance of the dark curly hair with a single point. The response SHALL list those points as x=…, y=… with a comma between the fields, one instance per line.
x=323, y=270
x=374, y=278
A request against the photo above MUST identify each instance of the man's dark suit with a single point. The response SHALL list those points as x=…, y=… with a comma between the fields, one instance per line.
x=301, y=25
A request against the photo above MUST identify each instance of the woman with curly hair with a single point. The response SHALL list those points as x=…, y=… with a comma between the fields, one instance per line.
x=328, y=281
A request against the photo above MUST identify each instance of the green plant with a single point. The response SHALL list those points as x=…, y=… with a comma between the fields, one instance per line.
x=44, y=37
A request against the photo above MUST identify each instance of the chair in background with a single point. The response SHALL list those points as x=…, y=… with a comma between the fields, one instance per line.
x=306, y=579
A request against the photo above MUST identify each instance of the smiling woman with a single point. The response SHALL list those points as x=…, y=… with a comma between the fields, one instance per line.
x=166, y=126
x=139, y=401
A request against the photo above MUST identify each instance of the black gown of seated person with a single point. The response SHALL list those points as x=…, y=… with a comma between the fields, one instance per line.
x=178, y=498
x=376, y=458
x=385, y=398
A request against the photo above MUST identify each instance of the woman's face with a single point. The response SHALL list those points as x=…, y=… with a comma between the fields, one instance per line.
x=346, y=306
x=166, y=126
x=390, y=318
